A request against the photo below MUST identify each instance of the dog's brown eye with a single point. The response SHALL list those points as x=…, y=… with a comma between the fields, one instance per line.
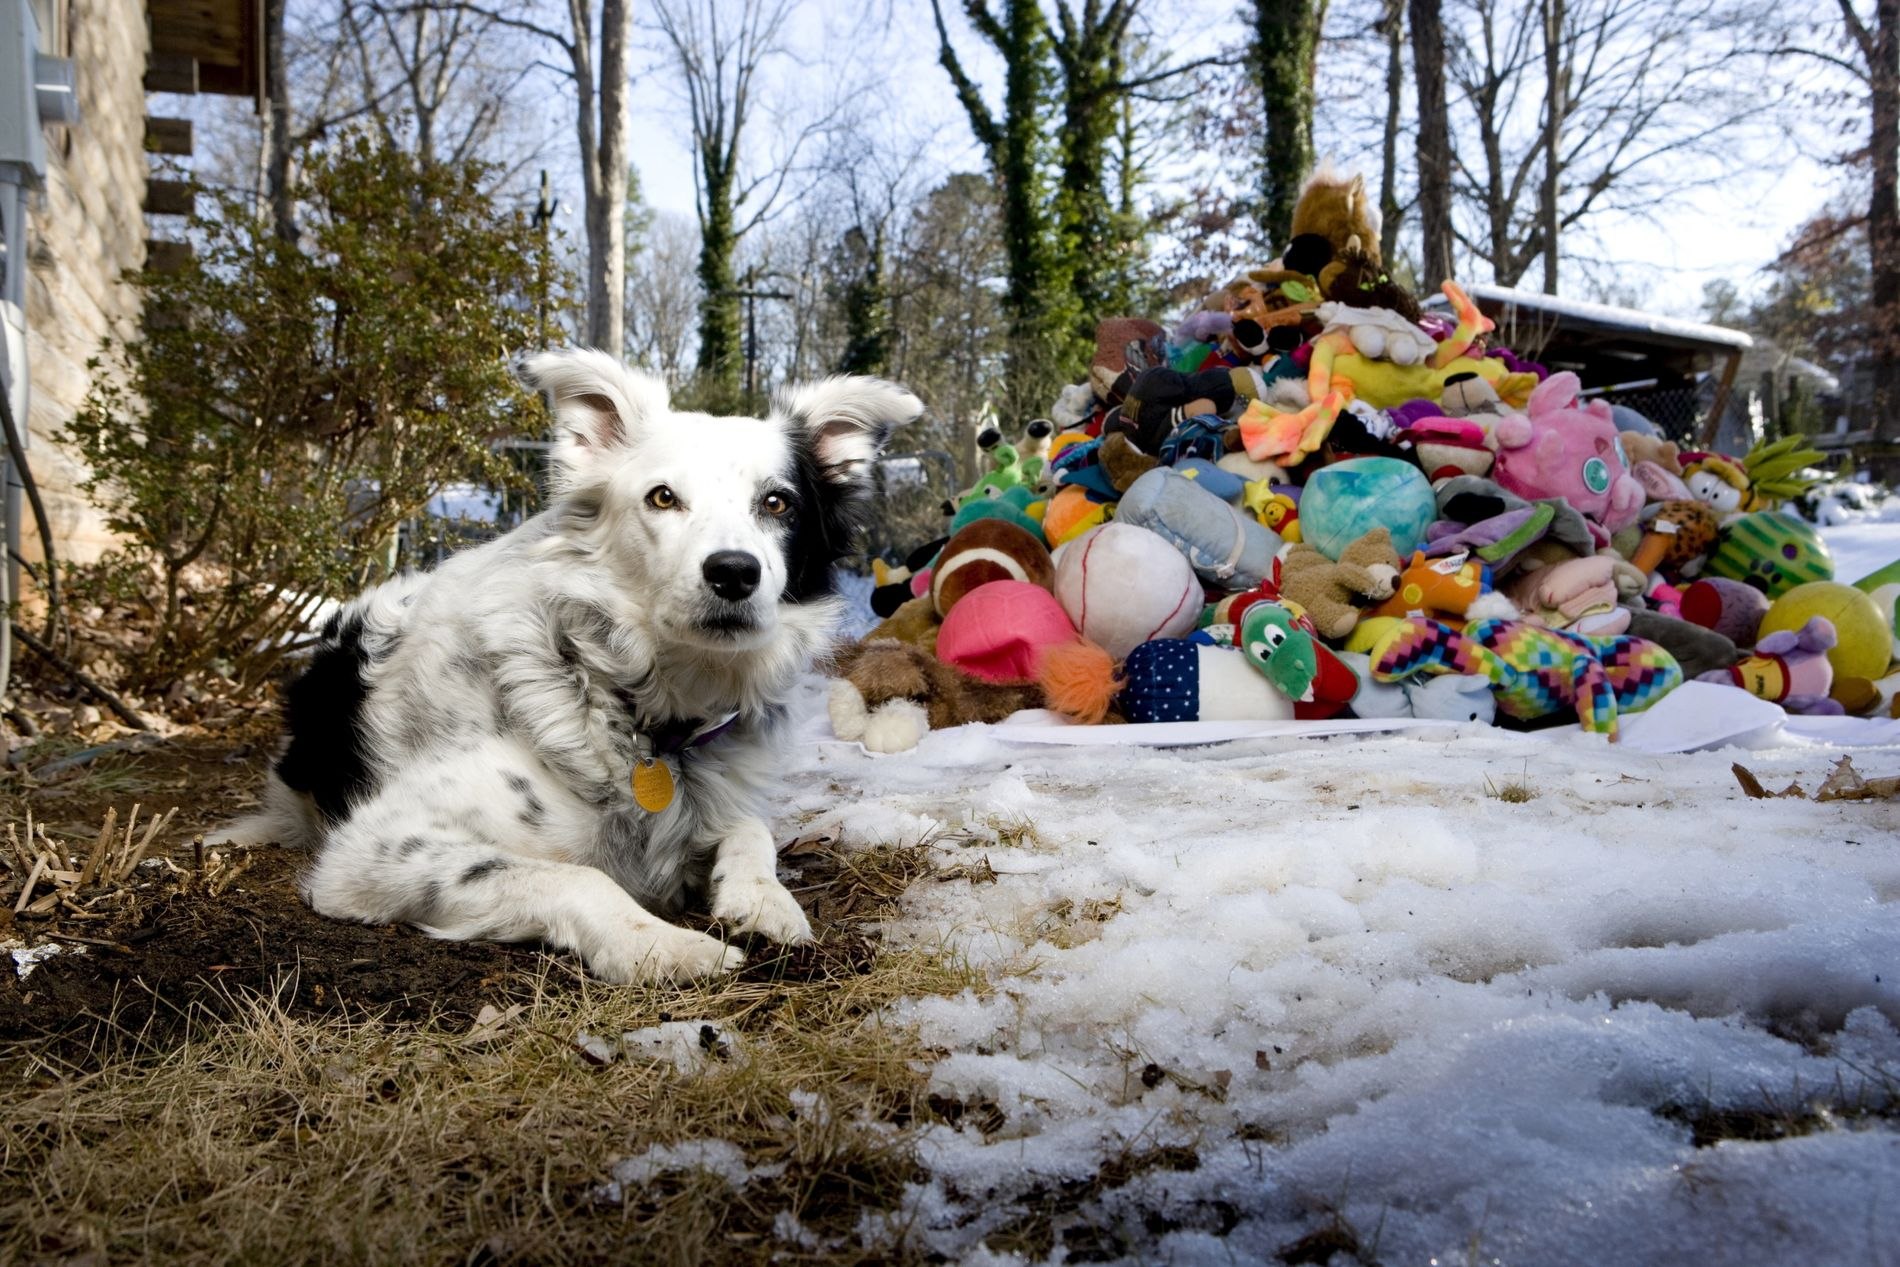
x=776, y=504
x=663, y=498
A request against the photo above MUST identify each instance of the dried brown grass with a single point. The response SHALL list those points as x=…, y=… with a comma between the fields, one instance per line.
x=269, y=1136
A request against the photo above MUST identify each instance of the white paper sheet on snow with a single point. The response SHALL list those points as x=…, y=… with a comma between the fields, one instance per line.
x=1693, y=717
x=1699, y=715
x=1041, y=726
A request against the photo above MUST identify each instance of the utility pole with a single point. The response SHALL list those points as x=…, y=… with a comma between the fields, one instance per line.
x=543, y=219
x=749, y=292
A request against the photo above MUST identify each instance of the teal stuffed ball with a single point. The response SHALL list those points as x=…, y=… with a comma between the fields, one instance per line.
x=1346, y=500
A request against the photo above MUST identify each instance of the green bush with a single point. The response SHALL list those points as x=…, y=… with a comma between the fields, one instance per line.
x=291, y=404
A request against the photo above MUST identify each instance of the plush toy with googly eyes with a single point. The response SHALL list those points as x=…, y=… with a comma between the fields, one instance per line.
x=1275, y=644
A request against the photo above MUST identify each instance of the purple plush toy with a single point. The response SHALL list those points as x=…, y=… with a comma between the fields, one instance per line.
x=1730, y=608
x=1789, y=668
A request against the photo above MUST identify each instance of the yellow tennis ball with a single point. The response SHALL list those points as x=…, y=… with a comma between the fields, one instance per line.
x=1865, y=642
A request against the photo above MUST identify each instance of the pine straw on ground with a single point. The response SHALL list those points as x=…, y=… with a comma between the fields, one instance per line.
x=251, y=1117
x=277, y=1139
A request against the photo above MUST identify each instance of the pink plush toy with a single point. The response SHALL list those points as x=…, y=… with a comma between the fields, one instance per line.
x=1446, y=447
x=998, y=632
x=1561, y=448
x=1577, y=594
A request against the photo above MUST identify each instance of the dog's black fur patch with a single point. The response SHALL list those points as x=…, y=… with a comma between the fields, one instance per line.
x=825, y=523
x=484, y=868
x=323, y=710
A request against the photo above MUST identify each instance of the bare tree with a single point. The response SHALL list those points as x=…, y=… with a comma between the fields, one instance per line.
x=1864, y=50
x=1434, y=142
x=595, y=62
x=1574, y=109
x=1391, y=29
x=310, y=54
x=441, y=64
x=663, y=297
x=435, y=77
x=719, y=48
x=1556, y=96
x=277, y=162
x=951, y=330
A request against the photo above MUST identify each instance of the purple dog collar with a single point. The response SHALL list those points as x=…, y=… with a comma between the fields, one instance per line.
x=677, y=736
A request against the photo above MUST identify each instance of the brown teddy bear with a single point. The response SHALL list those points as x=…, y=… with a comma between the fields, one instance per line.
x=886, y=694
x=1642, y=448
x=1335, y=594
x=914, y=624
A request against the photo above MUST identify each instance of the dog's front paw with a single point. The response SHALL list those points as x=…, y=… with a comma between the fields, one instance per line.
x=648, y=954
x=759, y=904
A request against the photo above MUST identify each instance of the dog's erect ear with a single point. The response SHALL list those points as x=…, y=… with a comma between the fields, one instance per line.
x=598, y=403
x=848, y=421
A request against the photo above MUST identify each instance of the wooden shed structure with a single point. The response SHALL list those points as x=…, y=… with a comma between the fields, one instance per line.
x=1679, y=374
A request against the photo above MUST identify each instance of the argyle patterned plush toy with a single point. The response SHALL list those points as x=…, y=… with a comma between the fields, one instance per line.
x=1535, y=671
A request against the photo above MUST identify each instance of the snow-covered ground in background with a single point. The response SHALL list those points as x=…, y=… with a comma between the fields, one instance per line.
x=1248, y=992
x=1348, y=981
x=1862, y=542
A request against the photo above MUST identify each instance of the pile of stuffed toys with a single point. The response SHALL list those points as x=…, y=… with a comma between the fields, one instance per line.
x=1310, y=498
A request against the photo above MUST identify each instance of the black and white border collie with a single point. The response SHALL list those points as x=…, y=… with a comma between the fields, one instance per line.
x=462, y=750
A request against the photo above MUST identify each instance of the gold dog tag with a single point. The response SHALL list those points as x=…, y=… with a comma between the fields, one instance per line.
x=652, y=784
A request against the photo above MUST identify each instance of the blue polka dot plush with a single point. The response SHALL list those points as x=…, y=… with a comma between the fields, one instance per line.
x=1193, y=679
x=1164, y=681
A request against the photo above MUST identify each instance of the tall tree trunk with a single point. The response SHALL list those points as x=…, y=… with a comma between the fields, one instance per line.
x=1039, y=313
x=1286, y=58
x=277, y=181
x=1392, y=27
x=720, y=353
x=867, y=312
x=1024, y=215
x=604, y=129
x=1554, y=109
x=1434, y=141
x=1506, y=267
x=1088, y=118
x=1089, y=54
x=1882, y=47
x=1127, y=169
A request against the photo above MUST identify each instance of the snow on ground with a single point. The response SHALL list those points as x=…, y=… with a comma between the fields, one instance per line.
x=1355, y=983
x=1861, y=542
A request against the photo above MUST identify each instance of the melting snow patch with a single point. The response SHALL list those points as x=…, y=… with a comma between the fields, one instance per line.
x=25, y=959
x=1265, y=984
x=720, y=1158
x=686, y=1045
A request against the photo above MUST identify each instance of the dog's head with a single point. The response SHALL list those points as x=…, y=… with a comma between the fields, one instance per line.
x=720, y=523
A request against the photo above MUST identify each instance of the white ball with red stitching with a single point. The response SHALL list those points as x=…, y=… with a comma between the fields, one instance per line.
x=1123, y=586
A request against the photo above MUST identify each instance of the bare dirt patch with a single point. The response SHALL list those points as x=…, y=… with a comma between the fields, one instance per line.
x=182, y=947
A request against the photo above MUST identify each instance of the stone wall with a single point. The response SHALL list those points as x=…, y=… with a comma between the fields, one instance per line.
x=84, y=231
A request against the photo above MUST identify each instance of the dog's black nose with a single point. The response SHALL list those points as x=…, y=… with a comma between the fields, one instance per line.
x=733, y=574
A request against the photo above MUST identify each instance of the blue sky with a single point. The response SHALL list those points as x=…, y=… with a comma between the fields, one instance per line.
x=1725, y=232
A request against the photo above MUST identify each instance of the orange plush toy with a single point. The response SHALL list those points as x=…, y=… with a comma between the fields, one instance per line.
x=1442, y=589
